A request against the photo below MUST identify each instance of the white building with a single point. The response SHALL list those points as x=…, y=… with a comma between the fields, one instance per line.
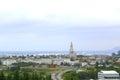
x=46, y=61
x=84, y=64
x=108, y=75
x=74, y=62
x=29, y=60
x=8, y=62
x=77, y=71
x=59, y=61
x=40, y=61
x=92, y=62
x=67, y=60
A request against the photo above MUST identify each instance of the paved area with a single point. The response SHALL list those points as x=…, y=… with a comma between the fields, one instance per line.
x=57, y=75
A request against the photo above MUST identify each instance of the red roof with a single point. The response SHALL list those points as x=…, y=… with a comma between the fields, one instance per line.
x=53, y=67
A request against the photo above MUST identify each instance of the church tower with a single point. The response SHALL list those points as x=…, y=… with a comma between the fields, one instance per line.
x=72, y=53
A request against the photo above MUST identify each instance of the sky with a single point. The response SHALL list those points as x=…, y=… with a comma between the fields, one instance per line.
x=50, y=25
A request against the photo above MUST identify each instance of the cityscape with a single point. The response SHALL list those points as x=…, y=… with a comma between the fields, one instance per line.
x=69, y=66
x=59, y=39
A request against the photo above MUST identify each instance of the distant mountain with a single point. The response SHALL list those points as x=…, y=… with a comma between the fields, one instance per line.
x=116, y=48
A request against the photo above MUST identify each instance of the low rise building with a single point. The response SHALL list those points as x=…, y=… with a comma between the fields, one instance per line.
x=8, y=62
x=58, y=61
x=77, y=71
x=46, y=61
x=108, y=75
x=92, y=63
x=84, y=64
x=74, y=62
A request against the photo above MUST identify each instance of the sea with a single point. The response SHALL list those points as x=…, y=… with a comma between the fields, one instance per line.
x=21, y=53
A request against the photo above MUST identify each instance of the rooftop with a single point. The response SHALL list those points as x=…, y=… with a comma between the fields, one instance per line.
x=109, y=72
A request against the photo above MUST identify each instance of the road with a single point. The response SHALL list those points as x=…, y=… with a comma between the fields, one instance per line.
x=57, y=75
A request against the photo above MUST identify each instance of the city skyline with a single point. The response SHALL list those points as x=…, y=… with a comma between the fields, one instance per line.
x=50, y=25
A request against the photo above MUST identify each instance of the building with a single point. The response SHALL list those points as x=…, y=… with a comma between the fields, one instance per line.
x=8, y=62
x=92, y=63
x=84, y=64
x=74, y=62
x=72, y=53
x=118, y=61
x=108, y=75
x=80, y=70
x=58, y=61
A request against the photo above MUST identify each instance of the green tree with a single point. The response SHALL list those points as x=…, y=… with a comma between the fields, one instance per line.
x=2, y=77
x=9, y=76
x=25, y=76
x=16, y=75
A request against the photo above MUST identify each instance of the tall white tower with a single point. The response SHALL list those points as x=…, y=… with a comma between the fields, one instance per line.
x=72, y=53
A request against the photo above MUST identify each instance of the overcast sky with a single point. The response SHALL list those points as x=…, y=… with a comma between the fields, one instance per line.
x=48, y=25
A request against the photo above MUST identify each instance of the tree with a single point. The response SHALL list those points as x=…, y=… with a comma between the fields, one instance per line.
x=2, y=77
x=0, y=62
x=25, y=76
x=16, y=75
x=9, y=77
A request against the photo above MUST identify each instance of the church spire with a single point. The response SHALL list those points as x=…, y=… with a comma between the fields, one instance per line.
x=71, y=47
x=72, y=53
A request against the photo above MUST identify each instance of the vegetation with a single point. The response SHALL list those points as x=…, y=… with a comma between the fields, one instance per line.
x=27, y=73
x=18, y=75
x=72, y=75
x=42, y=69
x=25, y=64
x=84, y=75
x=89, y=73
